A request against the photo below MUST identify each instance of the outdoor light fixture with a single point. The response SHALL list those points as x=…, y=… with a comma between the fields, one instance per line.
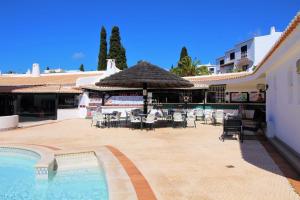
x=186, y=99
x=261, y=87
x=144, y=92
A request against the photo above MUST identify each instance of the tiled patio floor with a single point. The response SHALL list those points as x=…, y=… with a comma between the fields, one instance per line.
x=178, y=163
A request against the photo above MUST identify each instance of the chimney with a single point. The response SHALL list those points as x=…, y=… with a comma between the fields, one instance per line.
x=28, y=72
x=272, y=30
x=111, y=66
x=35, y=70
x=111, y=63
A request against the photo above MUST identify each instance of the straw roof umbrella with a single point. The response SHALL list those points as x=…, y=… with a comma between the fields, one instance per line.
x=145, y=75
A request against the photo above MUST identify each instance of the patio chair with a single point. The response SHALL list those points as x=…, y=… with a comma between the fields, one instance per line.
x=98, y=119
x=134, y=120
x=94, y=119
x=191, y=120
x=232, y=125
x=199, y=114
x=207, y=115
x=115, y=119
x=248, y=114
x=178, y=118
x=166, y=116
x=255, y=122
x=218, y=117
x=150, y=120
x=235, y=113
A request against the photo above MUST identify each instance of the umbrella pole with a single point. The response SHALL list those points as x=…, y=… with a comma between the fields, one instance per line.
x=145, y=95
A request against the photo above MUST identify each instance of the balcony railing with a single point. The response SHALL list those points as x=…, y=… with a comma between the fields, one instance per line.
x=244, y=54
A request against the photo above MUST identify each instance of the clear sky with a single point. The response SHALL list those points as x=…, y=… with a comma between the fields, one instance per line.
x=66, y=33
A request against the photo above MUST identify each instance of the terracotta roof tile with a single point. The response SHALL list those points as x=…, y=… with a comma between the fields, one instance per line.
x=55, y=79
x=39, y=89
x=218, y=77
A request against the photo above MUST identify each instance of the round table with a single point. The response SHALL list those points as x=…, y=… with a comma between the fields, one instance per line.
x=141, y=115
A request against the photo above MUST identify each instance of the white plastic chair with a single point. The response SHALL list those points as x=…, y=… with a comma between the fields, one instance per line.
x=200, y=114
x=178, y=118
x=191, y=120
x=149, y=120
x=94, y=119
x=207, y=115
x=98, y=119
x=218, y=117
x=134, y=119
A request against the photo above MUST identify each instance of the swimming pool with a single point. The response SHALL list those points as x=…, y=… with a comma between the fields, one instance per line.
x=18, y=180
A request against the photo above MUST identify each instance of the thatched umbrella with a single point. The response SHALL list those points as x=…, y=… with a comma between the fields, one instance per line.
x=145, y=75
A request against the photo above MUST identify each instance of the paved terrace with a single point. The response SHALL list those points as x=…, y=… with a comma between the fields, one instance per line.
x=178, y=163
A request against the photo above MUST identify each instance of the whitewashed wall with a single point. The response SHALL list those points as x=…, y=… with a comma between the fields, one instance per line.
x=84, y=101
x=283, y=95
x=263, y=44
x=67, y=113
x=9, y=122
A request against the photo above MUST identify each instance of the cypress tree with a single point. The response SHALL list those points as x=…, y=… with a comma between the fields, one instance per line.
x=81, y=68
x=102, y=64
x=183, y=53
x=116, y=50
x=123, y=59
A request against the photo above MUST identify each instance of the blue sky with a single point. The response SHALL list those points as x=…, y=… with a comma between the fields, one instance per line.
x=66, y=33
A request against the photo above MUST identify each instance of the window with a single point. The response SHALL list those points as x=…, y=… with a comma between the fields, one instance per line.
x=67, y=101
x=221, y=62
x=216, y=94
x=298, y=66
x=244, y=51
x=232, y=56
x=238, y=97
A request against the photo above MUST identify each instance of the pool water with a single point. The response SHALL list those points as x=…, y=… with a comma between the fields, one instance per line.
x=18, y=181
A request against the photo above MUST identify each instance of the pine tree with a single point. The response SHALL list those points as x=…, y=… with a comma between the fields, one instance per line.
x=102, y=64
x=81, y=68
x=116, y=50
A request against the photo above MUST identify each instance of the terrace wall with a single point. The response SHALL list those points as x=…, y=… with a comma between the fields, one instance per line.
x=71, y=113
x=9, y=122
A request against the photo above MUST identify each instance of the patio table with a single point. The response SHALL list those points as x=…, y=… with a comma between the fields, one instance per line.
x=107, y=118
x=141, y=115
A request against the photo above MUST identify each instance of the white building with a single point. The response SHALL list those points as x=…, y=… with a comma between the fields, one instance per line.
x=213, y=69
x=248, y=53
x=282, y=71
x=279, y=71
x=48, y=95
